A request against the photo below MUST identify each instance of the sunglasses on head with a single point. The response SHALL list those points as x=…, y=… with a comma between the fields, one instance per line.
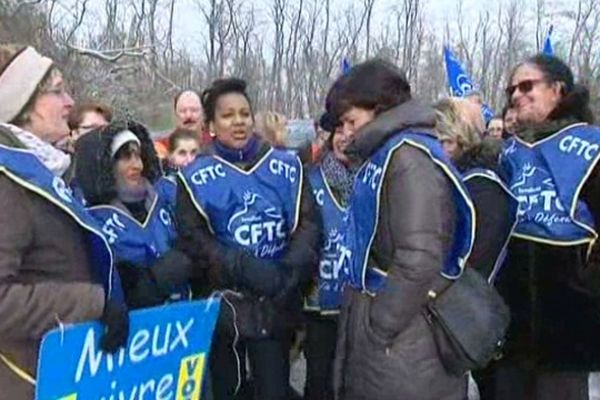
x=524, y=86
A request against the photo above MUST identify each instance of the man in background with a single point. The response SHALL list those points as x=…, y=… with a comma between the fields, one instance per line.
x=189, y=115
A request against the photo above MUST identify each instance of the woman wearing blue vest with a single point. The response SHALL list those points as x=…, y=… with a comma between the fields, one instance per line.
x=54, y=260
x=409, y=229
x=551, y=280
x=331, y=180
x=459, y=125
x=115, y=168
x=246, y=215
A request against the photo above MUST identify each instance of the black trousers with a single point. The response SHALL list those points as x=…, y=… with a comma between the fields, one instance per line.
x=515, y=383
x=319, y=349
x=269, y=365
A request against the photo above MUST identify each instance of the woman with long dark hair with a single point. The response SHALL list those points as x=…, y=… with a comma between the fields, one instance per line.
x=550, y=280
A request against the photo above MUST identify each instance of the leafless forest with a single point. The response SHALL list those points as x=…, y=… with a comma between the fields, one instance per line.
x=126, y=52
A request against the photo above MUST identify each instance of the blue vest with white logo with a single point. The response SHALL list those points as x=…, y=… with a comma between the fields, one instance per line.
x=140, y=243
x=166, y=187
x=256, y=210
x=326, y=295
x=512, y=212
x=546, y=177
x=363, y=215
x=25, y=169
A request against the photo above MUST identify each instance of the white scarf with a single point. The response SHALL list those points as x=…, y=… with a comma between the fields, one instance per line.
x=52, y=158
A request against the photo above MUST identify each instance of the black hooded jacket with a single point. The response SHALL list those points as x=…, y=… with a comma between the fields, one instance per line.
x=94, y=163
x=145, y=285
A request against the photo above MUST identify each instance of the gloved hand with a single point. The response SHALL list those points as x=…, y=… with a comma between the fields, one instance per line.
x=263, y=277
x=171, y=270
x=146, y=292
x=115, y=319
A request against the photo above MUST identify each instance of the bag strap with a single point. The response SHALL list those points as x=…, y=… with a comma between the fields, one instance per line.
x=17, y=370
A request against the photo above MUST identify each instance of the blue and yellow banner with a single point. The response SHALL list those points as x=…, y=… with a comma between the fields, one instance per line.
x=165, y=357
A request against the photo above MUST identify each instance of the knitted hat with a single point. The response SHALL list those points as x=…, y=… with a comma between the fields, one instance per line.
x=19, y=81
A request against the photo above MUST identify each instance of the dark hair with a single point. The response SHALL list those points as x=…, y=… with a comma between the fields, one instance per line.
x=505, y=109
x=374, y=85
x=178, y=95
x=327, y=122
x=76, y=114
x=497, y=116
x=181, y=134
x=219, y=88
x=575, y=101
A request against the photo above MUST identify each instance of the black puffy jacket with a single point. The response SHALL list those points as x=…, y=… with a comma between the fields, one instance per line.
x=268, y=299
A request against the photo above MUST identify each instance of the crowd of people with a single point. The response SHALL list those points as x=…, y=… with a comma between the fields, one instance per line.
x=346, y=242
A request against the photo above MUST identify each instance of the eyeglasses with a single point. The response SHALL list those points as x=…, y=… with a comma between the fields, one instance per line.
x=60, y=91
x=525, y=86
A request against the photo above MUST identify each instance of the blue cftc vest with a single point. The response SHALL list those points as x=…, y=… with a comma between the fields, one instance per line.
x=546, y=177
x=256, y=210
x=488, y=174
x=166, y=187
x=137, y=243
x=25, y=169
x=327, y=294
x=363, y=215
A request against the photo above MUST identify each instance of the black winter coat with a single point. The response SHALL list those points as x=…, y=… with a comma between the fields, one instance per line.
x=494, y=221
x=268, y=298
x=553, y=293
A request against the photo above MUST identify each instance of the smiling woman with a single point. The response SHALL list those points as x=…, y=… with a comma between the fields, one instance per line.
x=116, y=169
x=48, y=264
x=551, y=278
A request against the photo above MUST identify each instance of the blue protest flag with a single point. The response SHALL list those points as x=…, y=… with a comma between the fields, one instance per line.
x=166, y=357
x=346, y=66
x=488, y=113
x=548, y=50
x=460, y=83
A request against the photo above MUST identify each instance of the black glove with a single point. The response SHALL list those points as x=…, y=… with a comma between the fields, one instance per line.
x=129, y=274
x=264, y=277
x=171, y=271
x=145, y=293
x=115, y=319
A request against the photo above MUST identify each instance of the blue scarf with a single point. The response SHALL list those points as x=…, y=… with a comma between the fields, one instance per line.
x=246, y=154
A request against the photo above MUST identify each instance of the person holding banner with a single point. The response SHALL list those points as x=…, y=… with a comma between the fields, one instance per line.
x=116, y=167
x=246, y=214
x=54, y=260
x=551, y=280
x=408, y=209
x=331, y=179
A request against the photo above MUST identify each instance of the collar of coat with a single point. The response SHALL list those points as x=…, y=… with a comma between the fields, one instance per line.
x=411, y=114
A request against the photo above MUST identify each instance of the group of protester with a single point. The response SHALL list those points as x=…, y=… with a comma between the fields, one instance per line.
x=348, y=241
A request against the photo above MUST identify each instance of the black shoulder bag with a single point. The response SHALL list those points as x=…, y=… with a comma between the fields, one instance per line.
x=469, y=320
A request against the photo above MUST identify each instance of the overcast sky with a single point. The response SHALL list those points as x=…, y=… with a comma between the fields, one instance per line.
x=190, y=29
